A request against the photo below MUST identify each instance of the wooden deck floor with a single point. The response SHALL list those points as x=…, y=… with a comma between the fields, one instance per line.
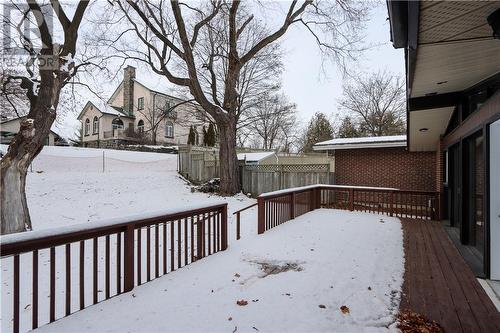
x=439, y=284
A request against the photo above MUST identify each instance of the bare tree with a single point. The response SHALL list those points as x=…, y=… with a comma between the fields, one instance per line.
x=49, y=67
x=271, y=121
x=377, y=101
x=13, y=102
x=207, y=47
x=161, y=110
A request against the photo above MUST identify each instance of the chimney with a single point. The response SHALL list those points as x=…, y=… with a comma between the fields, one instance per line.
x=128, y=89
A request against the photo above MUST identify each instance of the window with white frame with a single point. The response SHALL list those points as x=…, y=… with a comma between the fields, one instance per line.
x=169, y=129
x=140, y=103
x=87, y=126
x=95, y=126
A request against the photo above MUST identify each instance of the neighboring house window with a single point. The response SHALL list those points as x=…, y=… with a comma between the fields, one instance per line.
x=117, y=123
x=95, y=126
x=140, y=103
x=169, y=129
x=87, y=126
x=140, y=126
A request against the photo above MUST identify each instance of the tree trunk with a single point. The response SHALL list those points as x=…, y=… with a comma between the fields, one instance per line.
x=26, y=145
x=153, y=138
x=229, y=173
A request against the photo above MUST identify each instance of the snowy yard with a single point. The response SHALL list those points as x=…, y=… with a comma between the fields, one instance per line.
x=335, y=259
x=295, y=277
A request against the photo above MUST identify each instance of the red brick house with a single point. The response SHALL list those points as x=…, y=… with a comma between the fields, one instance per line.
x=381, y=161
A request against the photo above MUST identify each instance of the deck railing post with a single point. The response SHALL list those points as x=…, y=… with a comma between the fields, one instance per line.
x=261, y=220
x=200, y=231
x=292, y=205
x=438, y=207
x=224, y=228
x=238, y=236
x=391, y=203
x=128, y=255
x=318, y=197
x=351, y=199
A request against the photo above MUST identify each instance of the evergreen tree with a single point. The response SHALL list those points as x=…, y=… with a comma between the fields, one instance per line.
x=211, y=137
x=348, y=129
x=192, y=136
x=319, y=129
x=205, y=136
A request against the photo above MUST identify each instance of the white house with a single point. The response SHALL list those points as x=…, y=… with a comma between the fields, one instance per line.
x=135, y=113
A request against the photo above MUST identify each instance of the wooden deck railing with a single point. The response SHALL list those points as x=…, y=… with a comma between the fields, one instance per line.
x=238, y=219
x=277, y=207
x=119, y=254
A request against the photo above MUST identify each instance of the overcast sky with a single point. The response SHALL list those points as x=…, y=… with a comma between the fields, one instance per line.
x=305, y=82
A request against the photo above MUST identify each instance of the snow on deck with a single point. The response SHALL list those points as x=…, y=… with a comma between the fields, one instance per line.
x=336, y=258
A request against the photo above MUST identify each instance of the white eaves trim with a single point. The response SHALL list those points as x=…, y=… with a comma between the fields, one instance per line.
x=360, y=143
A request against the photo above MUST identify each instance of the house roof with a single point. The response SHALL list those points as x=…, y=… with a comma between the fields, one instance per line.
x=362, y=142
x=105, y=108
x=254, y=157
x=449, y=51
x=19, y=118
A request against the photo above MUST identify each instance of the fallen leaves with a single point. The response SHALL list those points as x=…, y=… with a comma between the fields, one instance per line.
x=242, y=302
x=321, y=306
x=237, y=275
x=344, y=309
x=409, y=322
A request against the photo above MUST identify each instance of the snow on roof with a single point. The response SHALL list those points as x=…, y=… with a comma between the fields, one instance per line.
x=106, y=108
x=254, y=157
x=362, y=142
x=53, y=128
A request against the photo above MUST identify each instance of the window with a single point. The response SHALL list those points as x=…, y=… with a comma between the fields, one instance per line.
x=95, y=126
x=117, y=123
x=87, y=126
x=140, y=103
x=140, y=126
x=169, y=129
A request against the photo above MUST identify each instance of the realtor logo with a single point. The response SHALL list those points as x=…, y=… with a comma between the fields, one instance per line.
x=21, y=36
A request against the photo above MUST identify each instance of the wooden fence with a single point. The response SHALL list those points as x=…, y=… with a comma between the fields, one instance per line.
x=258, y=179
x=199, y=165
x=130, y=252
x=278, y=207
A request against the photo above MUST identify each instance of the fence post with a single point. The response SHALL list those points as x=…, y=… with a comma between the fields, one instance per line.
x=351, y=199
x=292, y=205
x=261, y=220
x=128, y=255
x=223, y=228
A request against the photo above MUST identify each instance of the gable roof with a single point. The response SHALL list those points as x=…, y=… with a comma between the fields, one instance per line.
x=19, y=119
x=105, y=108
x=362, y=142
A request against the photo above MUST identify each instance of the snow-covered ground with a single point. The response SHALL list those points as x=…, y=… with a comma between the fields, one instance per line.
x=68, y=186
x=335, y=259
x=345, y=258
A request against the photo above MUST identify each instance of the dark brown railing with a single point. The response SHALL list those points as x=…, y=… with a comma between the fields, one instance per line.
x=119, y=254
x=238, y=219
x=275, y=208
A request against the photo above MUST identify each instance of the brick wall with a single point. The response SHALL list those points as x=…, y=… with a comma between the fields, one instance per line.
x=386, y=167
